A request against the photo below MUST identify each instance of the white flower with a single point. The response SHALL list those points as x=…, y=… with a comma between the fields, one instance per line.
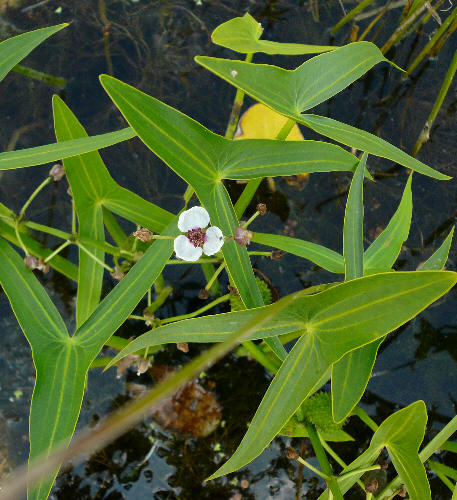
x=196, y=240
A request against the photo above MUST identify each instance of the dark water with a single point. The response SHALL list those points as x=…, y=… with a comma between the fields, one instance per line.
x=152, y=46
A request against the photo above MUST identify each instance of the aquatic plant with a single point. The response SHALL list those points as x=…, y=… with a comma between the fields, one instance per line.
x=337, y=327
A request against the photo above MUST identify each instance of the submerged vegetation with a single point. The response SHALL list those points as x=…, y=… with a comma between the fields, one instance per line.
x=327, y=332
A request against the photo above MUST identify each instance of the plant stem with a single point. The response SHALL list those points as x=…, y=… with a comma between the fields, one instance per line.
x=337, y=458
x=32, y=197
x=256, y=352
x=323, y=461
x=90, y=254
x=236, y=108
x=57, y=251
x=39, y=75
x=425, y=133
x=162, y=296
x=350, y=15
x=251, y=187
x=203, y=309
x=365, y=418
x=246, y=224
x=214, y=276
x=433, y=40
x=312, y=468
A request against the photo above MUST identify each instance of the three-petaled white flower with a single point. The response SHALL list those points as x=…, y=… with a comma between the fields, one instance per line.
x=196, y=240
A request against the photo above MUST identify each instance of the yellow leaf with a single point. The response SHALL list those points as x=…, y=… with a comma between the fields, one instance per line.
x=260, y=122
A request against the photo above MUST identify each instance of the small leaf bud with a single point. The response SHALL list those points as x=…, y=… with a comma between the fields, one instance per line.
x=143, y=234
x=242, y=236
x=57, y=172
x=43, y=266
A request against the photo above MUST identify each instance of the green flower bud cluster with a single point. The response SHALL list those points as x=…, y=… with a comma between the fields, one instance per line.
x=318, y=411
x=237, y=305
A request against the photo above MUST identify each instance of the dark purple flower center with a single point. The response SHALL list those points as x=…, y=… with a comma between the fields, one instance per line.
x=196, y=236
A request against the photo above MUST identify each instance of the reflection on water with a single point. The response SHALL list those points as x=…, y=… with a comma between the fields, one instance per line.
x=152, y=45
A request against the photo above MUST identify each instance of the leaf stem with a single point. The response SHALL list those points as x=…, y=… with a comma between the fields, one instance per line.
x=236, y=108
x=57, y=251
x=203, y=309
x=365, y=418
x=323, y=461
x=90, y=254
x=32, y=197
x=214, y=276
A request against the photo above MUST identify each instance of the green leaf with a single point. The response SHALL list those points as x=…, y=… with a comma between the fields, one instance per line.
x=335, y=322
x=214, y=328
x=63, y=266
x=401, y=433
x=53, y=152
x=381, y=255
x=201, y=159
x=350, y=376
x=359, y=139
x=353, y=225
x=351, y=373
x=292, y=92
x=242, y=34
x=87, y=176
x=439, y=258
x=295, y=428
x=320, y=255
x=16, y=48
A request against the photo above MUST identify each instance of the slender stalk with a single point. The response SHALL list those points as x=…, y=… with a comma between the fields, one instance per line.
x=57, y=251
x=323, y=461
x=312, y=468
x=256, y=352
x=106, y=26
x=57, y=81
x=236, y=108
x=251, y=187
x=90, y=254
x=445, y=480
x=337, y=458
x=161, y=298
x=425, y=133
x=32, y=197
x=350, y=15
x=433, y=40
x=365, y=418
x=47, y=229
x=399, y=32
x=203, y=309
x=214, y=276
x=246, y=224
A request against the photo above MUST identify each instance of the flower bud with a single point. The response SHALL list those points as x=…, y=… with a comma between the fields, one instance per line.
x=43, y=266
x=203, y=294
x=117, y=274
x=242, y=236
x=57, y=172
x=31, y=262
x=183, y=346
x=372, y=486
x=143, y=234
x=277, y=254
x=292, y=453
x=262, y=208
x=233, y=291
x=142, y=366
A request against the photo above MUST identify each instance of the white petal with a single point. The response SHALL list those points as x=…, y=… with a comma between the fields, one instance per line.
x=185, y=250
x=192, y=218
x=214, y=240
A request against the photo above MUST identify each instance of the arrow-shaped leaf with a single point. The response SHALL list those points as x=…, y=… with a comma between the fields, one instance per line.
x=293, y=92
x=14, y=49
x=335, y=322
x=242, y=34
